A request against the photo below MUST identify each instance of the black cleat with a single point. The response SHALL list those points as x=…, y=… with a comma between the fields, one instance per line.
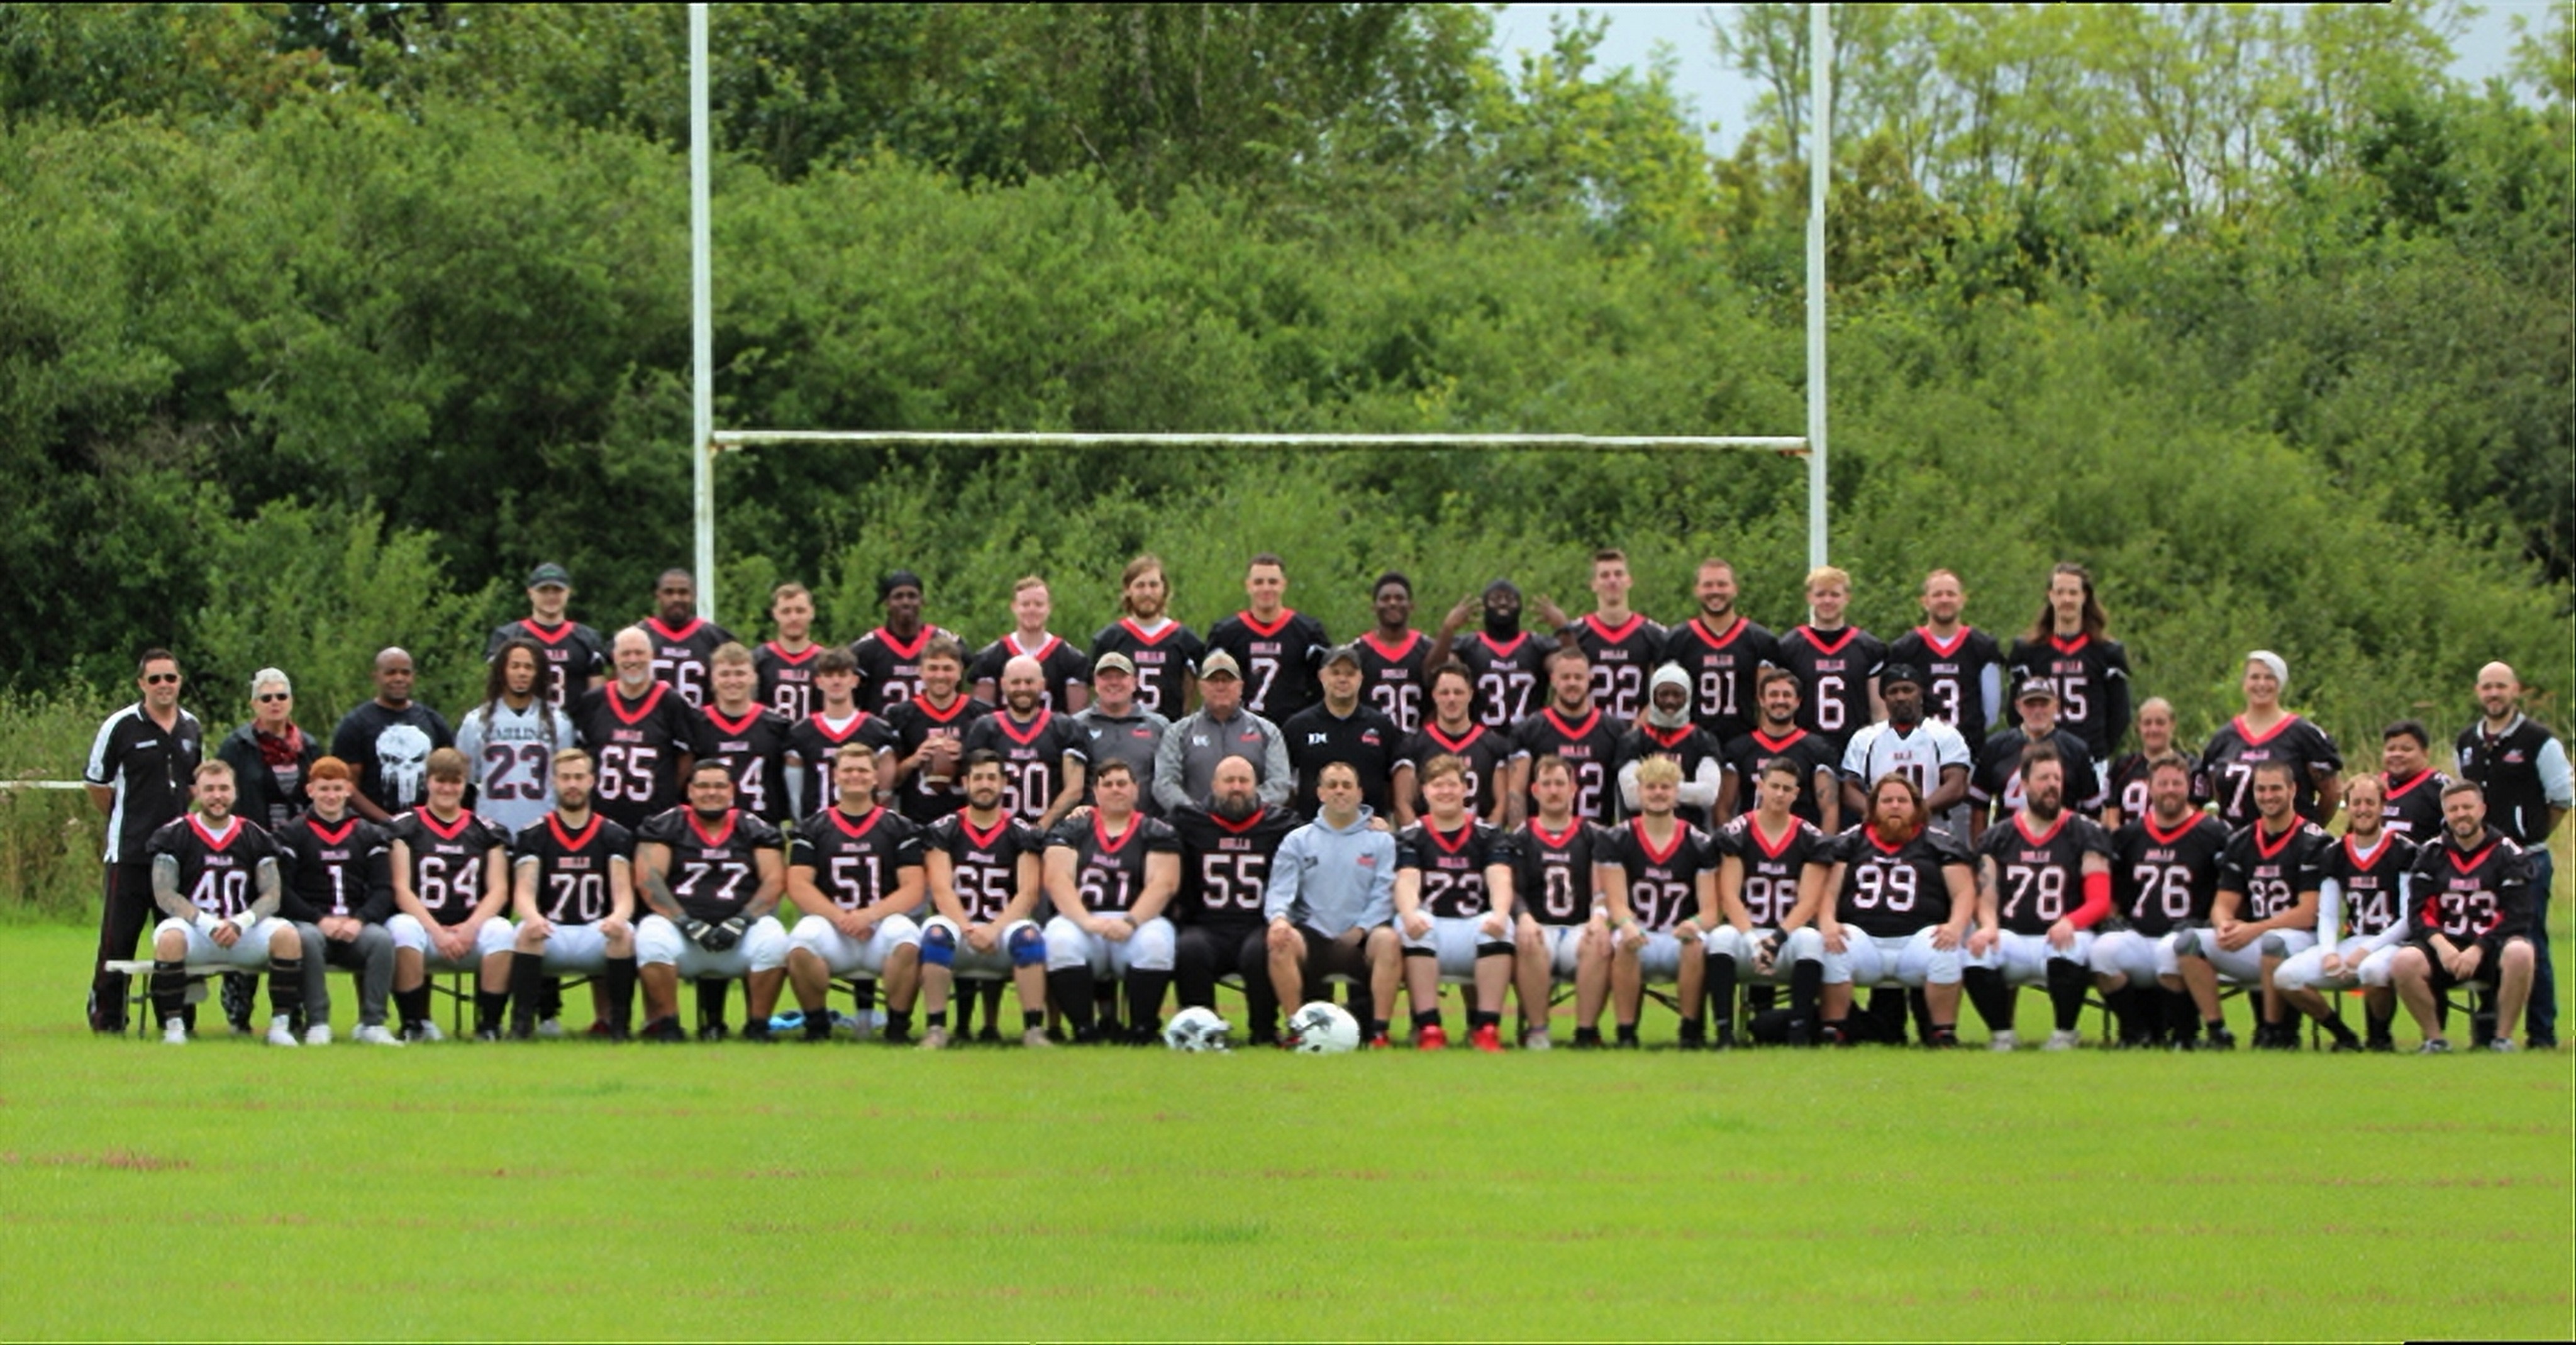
x=2380, y=1045
x=714, y=1032
x=666, y=1030
x=758, y=1030
x=2219, y=1039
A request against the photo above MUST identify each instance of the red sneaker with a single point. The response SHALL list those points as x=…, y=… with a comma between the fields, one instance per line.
x=1380, y=1043
x=1488, y=1039
x=1432, y=1038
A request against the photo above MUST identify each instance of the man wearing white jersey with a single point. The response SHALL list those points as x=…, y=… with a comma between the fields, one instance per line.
x=1930, y=752
x=510, y=740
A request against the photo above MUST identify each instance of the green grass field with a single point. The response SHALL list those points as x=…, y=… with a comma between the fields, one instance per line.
x=567, y=1189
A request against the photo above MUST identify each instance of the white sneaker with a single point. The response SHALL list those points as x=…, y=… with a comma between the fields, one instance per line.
x=174, y=1032
x=1035, y=1036
x=933, y=1039
x=2063, y=1041
x=1536, y=1041
x=281, y=1031
x=550, y=1027
x=428, y=1032
x=318, y=1034
x=376, y=1034
x=2003, y=1041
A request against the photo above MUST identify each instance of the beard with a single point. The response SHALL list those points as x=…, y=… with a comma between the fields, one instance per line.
x=1896, y=832
x=1235, y=808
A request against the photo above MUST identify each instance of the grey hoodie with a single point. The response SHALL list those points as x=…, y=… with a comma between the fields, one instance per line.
x=1331, y=880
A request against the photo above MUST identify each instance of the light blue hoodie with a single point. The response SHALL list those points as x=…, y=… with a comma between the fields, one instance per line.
x=1334, y=879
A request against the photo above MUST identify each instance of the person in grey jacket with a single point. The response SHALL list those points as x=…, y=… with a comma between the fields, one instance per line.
x=1331, y=904
x=1185, y=762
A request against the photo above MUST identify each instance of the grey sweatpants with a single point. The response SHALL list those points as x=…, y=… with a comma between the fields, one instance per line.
x=370, y=955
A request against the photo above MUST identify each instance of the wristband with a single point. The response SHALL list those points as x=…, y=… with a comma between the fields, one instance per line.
x=204, y=921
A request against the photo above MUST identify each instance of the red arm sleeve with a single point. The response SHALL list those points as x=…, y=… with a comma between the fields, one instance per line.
x=2097, y=901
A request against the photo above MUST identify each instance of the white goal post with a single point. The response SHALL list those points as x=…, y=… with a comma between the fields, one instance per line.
x=709, y=442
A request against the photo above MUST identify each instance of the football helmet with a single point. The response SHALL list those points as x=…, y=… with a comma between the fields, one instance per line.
x=1196, y=1029
x=1322, y=1028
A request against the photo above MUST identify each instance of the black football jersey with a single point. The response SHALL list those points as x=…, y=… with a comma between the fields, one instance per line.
x=1662, y=884
x=1452, y=865
x=715, y=867
x=2413, y=808
x=921, y=798
x=984, y=864
x=2234, y=751
x=218, y=866
x=1552, y=870
x=1225, y=866
x=573, y=867
x=1773, y=866
x=637, y=746
x=2092, y=680
x=684, y=655
x=857, y=861
x=1033, y=756
x=1485, y=751
x=1623, y=657
x=1391, y=677
x=2374, y=892
x=1059, y=664
x=815, y=743
x=1510, y=676
x=1746, y=756
x=447, y=859
x=2128, y=789
x=755, y=746
x=2162, y=880
x=577, y=654
x=890, y=667
x=1954, y=676
x=2482, y=893
x=1110, y=874
x=1280, y=660
x=2271, y=871
x=1688, y=745
x=342, y=869
x=1591, y=744
x=787, y=680
x=1165, y=661
x=2039, y=877
x=1892, y=891
x=1722, y=670
x=1833, y=678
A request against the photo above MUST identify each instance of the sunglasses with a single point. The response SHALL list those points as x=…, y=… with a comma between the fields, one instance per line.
x=158, y=679
x=266, y=696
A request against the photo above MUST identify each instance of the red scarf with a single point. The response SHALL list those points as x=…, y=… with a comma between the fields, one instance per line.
x=286, y=751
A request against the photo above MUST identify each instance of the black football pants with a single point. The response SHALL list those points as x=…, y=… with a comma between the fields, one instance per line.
x=125, y=913
x=1205, y=953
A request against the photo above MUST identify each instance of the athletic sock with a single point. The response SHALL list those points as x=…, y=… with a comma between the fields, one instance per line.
x=863, y=995
x=1145, y=990
x=1721, y=993
x=413, y=1004
x=2067, y=982
x=286, y=986
x=935, y=1018
x=1994, y=999
x=1377, y=1028
x=621, y=994
x=1422, y=1020
x=712, y=994
x=1693, y=1030
x=2182, y=1018
x=1032, y=1020
x=1942, y=1034
x=527, y=991
x=898, y=1022
x=818, y=1023
x=169, y=990
x=1477, y=1018
x=2343, y=1035
x=1072, y=988
x=1806, y=986
x=1587, y=1036
x=489, y=1005
x=2376, y=1027
x=1627, y=1034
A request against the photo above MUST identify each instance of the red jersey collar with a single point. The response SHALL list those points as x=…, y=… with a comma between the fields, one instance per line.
x=1771, y=744
x=232, y=831
x=1699, y=627
x=1771, y=848
x=862, y=826
x=1011, y=729
x=2253, y=741
x=448, y=832
x=1474, y=731
x=1573, y=828
x=1656, y=736
x=2370, y=858
x=1466, y=829
x=2021, y=823
x=1237, y=828
x=542, y=634
x=721, y=834
x=955, y=708
x=1011, y=641
x=966, y=824
x=1681, y=831
x=1933, y=642
x=811, y=649
x=1614, y=635
x=617, y=703
x=2162, y=837
x=1253, y=623
x=348, y=824
x=749, y=718
x=2413, y=783
x=1590, y=722
x=1505, y=648
x=1100, y=831
x=1816, y=637
x=554, y=823
x=1169, y=626
x=682, y=633
x=2266, y=851
x=2451, y=846
x=857, y=722
x=2064, y=645
x=1398, y=654
x=901, y=650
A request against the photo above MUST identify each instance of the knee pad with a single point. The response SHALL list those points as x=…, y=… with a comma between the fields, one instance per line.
x=1495, y=948
x=1028, y=947
x=938, y=947
x=2187, y=944
x=1804, y=944
x=2273, y=945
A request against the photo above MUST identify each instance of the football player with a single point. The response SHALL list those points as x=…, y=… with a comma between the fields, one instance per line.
x=1452, y=730
x=1453, y=909
x=644, y=734
x=1067, y=673
x=1043, y=753
x=1341, y=728
x=856, y=870
x=2267, y=732
x=1837, y=663
x=1623, y=646
x=983, y=867
x=573, y=892
x=2125, y=800
x=1963, y=667
x=575, y=654
x=1166, y=653
x=890, y=658
x=215, y=878
x=1929, y=750
x=1552, y=871
x=682, y=641
x=712, y=874
x=1995, y=789
x=2043, y=882
x=2265, y=912
x=2363, y=899
x=1118, y=728
x=1281, y=650
x=1770, y=884
x=1572, y=727
x=2470, y=920
x=1902, y=895
x=1331, y=904
x=1110, y=875
x=2410, y=789
x=1668, y=731
x=1227, y=844
x=1658, y=877
x=509, y=740
x=2164, y=875
x=1723, y=653
x=786, y=664
x=814, y=743
x=1504, y=663
x=1778, y=737
x=451, y=883
x=930, y=731
x=1392, y=672
x=2066, y=647
x=339, y=881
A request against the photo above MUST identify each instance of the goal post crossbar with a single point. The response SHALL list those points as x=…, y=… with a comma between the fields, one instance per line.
x=731, y=440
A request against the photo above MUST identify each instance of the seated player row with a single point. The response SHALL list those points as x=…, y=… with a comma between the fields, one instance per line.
x=1230, y=885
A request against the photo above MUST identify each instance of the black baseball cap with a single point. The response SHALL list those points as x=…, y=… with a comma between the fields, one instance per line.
x=549, y=573
x=2037, y=688
x=1900, y=672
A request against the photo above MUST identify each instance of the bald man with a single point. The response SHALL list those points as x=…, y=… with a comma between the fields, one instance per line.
x=387, y=742
x=2523, y=769
x=642, y=732
x=1044, y=754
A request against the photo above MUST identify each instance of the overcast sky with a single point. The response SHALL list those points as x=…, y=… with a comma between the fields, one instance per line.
x=1721, y=95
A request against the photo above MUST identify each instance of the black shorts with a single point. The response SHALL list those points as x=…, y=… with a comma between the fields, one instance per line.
x=1329, y=956
x=2442, y=980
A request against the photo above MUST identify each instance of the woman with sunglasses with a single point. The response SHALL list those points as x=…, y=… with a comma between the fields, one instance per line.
x=272, y=759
